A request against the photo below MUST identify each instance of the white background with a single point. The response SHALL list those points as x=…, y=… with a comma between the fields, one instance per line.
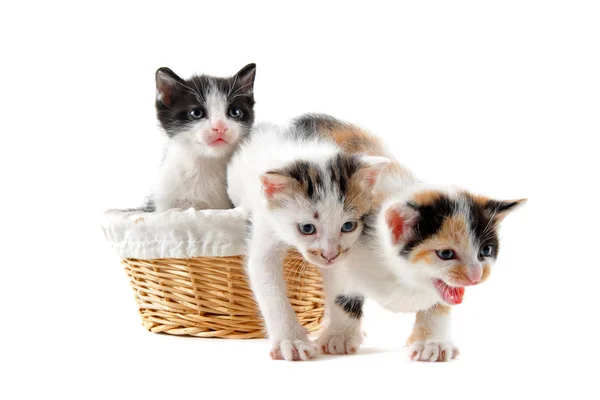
x=502, y=98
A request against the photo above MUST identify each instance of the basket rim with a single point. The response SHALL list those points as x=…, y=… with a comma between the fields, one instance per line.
x=176, y=233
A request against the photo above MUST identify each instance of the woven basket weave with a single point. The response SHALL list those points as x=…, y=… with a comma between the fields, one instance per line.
x=210, y=296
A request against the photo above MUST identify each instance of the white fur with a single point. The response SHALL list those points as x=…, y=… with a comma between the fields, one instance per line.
x=193, y=173
x=342, y=335
x=274, y=231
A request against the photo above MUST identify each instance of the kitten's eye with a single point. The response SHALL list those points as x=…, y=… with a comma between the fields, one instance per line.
x=307, y=229
x=196, y=113
x=349, y=226
x=446, y=254
x=486, y=251
x=235, y=112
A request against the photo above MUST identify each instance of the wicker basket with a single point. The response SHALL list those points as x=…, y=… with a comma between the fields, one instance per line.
x=210, y=297
x=182, y=287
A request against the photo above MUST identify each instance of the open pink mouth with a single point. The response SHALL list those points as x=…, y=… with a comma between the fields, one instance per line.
x=451, y=295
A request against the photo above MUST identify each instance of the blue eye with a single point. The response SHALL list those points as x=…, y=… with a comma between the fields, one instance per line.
x=486, y=251
x=349, y=226
x=446, y=254
x=196, y=113
x=235, y=112
x=307, y=229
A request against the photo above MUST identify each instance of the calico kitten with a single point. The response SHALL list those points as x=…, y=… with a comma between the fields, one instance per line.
x=205, y=118
x=430, y=243
x=302, y=193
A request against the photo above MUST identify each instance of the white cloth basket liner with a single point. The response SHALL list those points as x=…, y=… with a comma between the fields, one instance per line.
x=176, y=233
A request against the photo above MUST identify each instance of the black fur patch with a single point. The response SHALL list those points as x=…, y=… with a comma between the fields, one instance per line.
x=148, y=206
x=352, y=304
x=494, y=207
x=431, y=218
x=482, y=226
x=341, y=168
x=185, y=95
x=316, y=182
x=310, y=177
x=369, y=230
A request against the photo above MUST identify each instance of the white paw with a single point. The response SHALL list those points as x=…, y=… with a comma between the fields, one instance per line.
x=432, y=350
x=345, y=342
x=294, y=350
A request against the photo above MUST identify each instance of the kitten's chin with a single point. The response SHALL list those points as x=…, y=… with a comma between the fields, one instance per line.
x=217, y=149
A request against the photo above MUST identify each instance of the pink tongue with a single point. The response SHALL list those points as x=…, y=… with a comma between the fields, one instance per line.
x=451, y=295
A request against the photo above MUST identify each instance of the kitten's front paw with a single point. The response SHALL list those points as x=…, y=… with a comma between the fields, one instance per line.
x=345, y=342
x=294, y=350
x=434, y=350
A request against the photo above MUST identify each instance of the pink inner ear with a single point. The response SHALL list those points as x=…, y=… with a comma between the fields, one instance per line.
x=271, y=187
x=165, y=98
x=395, y=223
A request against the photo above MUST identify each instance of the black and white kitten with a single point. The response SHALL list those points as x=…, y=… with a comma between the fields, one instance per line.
x=205, y=118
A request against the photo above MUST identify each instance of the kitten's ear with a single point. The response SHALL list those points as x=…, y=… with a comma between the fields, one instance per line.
x=245, y=77
x=166, y=83
x=401, y=219
x=275, y=185
x=369, y=173
x=499, y=209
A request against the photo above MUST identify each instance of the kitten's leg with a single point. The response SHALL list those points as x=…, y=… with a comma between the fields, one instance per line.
x=343, y=333
x=265, y=270
x=430, y=338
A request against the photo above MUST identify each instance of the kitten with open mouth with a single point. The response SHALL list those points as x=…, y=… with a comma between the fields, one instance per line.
x=429, y=243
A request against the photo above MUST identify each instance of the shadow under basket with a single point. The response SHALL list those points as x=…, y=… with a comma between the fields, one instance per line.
x=211, y=297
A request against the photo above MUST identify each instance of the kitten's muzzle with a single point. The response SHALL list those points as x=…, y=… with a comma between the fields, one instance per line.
x=330, y=255
x=465, y=275
x=219, y=127
x=474, y=273
x=325, y=257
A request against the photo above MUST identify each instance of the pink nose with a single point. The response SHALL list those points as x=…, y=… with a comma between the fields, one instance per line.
x=330, y=255
x=474, y=273
x=219, y=127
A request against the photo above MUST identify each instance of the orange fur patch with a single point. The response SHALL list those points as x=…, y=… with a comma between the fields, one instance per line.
x=419, y=333
x=439, y=309
x=422, y=255
x=454, y=230
x=422, y=329
x=426, y=198
x=458, y=274
x=485, y=274
x=481, y=200
x=357, y=198
x=453, y=234
x=353, y=139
